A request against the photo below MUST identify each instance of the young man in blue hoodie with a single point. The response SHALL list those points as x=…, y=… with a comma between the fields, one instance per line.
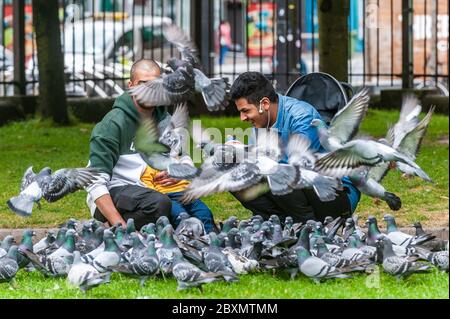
x=259, y=104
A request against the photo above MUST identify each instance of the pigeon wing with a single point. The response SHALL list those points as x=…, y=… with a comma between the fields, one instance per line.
x=147, y=136
x=298, y=151
x=343, y=162
x=152, y=93
x=213, y=181
x=180, y=39
x=410, y=144
x=65, y=181
x=28, y=177
x=345, y=123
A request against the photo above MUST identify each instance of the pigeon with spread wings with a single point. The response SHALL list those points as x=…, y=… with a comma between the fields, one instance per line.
x=49, y=186
x=185, y=80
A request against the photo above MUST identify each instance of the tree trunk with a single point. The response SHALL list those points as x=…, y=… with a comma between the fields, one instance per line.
x=333, y=38
x=52, y=94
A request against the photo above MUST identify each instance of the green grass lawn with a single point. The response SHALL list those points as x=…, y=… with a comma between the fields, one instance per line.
x=38, y=143
x=252, y=286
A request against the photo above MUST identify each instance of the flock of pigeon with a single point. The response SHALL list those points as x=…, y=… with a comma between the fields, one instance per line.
x=87, y=254
x=249, y=170
x=332, y=249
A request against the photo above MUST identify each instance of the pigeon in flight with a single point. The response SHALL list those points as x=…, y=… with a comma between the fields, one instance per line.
x=184, y=81
x=49, y=186
x=161, y=147
x=406, y=140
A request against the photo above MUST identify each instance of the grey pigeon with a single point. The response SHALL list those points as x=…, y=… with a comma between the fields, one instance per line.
x=236, y=167
x=357, y=153
x=185, y=79
x=168, y=251
x=44, y=243
x=300, y=156
x=26, y=244
x=8, y=265
x=216, y=261
x=374, y=232
x=437, y=258
x=315, y=268
x=406, y=137
x=400, y=267
x=85, y=276
x=110, y=256
x=189, y=226
x=240, y=264
x=7, y=242
x=160, y=224
x=402, y=239
x=58, y=263
x=49, y=186
x=347, y=154
x=163, y=147
x=141, y=267
x=345, y=123
x=188, y=275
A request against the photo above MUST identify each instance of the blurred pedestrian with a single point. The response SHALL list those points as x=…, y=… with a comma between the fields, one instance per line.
x=224, y=39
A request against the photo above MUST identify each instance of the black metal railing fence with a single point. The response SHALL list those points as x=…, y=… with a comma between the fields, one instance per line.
x=101, y=39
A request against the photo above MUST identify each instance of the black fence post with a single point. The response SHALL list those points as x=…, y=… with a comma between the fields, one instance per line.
x=407, y=44
x=203, y=33
x=19, y=46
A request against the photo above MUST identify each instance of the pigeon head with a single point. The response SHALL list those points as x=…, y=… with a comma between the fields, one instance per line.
x=274, y=219
x=161, y=222
x=231, y=222
x=166, y=235
x=349, y=222
x=371, y=220
x=7, y=242
x=289, y=221
x=108, y=234
x=417, y=225
x=388, y=217
x=130, y=226
x=328, y=220
x=27, y=235
x=45, y=171
x=243, y=224
x=149, y=229
x=183, y=216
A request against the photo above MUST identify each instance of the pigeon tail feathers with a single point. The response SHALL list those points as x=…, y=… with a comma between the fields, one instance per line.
x=22, y=205
x=393, y=201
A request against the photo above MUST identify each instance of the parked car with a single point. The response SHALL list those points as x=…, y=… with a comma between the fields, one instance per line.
x=100, y=47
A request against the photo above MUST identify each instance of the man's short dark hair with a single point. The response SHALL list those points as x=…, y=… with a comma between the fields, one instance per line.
x=146, y=64
x=253, y=86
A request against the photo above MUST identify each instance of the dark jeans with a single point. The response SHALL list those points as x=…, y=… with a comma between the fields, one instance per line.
x=302, y=205
x=196, y=209
x=144, y=205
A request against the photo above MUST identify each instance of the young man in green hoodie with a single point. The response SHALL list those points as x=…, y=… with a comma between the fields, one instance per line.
x=128, y=187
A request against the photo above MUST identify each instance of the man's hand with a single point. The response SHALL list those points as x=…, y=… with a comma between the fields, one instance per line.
x=162, y=178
